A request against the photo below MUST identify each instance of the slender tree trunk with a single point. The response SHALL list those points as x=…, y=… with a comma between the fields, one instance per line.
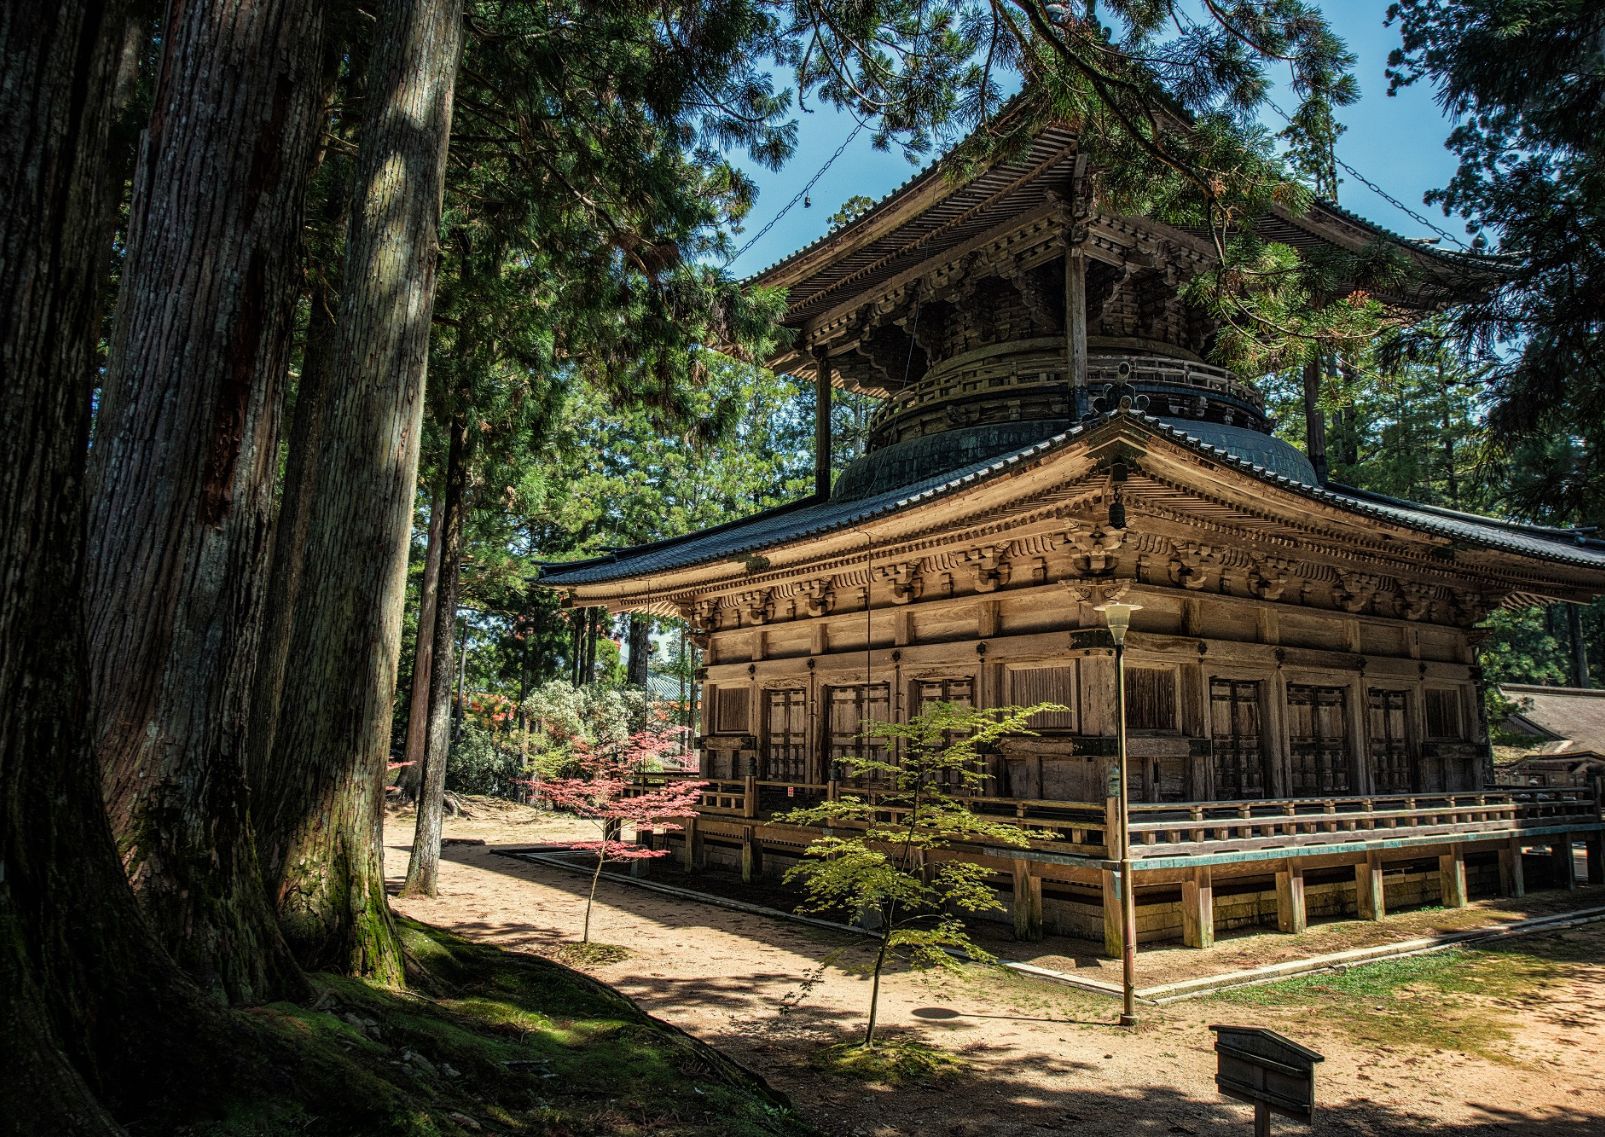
x=578, y=667
x=640, y=649
x=1452, y=476
x=590, y=897
x=182, y=471
x=90, y=1006
x=1579, y=645
x=335, y=732
x=460, y=705
x=593, y=631
x=423, y=867
x=412, y=774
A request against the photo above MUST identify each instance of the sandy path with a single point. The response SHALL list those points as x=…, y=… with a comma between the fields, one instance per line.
x=1043, y=1058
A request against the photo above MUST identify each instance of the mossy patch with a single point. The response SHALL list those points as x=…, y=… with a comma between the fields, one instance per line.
x=891, y=1062
x=1467, y=1000
x=592, y=954
x=483, y=1041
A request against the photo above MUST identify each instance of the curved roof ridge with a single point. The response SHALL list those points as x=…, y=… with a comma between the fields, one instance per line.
x=1582, y=534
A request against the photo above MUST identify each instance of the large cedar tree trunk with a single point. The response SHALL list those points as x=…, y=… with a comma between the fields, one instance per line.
x=412, y=771
x=91, y=1010
x=182, y=473
x=423, y=867
x=334, y=728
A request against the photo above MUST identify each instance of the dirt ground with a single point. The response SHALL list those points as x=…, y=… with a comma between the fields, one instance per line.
x=1518, y=1048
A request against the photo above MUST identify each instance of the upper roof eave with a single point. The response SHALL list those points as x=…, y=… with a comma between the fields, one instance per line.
x=930, y=186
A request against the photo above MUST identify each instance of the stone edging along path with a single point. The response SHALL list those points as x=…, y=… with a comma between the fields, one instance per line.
x=1161, y=995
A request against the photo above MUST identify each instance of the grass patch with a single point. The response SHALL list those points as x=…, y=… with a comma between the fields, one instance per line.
x=892, y=1062
x=483, y=1042
x=592, y=954
x=1468, y=1000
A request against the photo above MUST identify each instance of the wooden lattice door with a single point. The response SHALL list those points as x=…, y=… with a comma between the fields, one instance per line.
x=1392, y=772
x=849, y=710
x=1235, y=730
x=785, y=737
x=960, y=691
x=1318, y=737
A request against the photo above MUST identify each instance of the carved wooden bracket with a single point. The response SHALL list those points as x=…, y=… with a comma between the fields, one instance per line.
x=818, y=596
x=1356, y=591
x=906, y=581
x=703, y=616
x=1415, y=600
x=989, y=566
x=1097, y=549
x=1472, y=607
x=1191, y=564
x=1268, y=577
x=757, y=607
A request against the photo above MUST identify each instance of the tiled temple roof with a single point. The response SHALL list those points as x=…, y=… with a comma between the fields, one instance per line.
x=816, y=518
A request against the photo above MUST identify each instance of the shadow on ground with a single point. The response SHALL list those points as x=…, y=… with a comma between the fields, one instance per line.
x=1001, y=1093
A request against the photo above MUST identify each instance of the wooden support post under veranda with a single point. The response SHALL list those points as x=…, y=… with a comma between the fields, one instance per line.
x=1290, y=912
x=1370, y=890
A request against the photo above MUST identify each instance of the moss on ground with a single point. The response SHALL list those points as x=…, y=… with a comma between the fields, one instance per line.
x=1467, y=1000
x=484, y=1041
x=892, y=1062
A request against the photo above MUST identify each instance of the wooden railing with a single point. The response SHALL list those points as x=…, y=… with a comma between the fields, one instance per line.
x=1172, y=828
x=1161, y=829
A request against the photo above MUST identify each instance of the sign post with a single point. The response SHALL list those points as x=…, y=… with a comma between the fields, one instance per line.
x=1268, y=1071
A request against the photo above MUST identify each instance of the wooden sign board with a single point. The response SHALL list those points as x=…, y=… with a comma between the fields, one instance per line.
x=1271, y=1073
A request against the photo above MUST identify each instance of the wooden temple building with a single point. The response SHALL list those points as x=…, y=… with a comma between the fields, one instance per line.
x=1304, y=704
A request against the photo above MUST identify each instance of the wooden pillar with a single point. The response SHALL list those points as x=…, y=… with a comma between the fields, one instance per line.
x=1290, y=912
x=1560, y=856
x=822, y=399
x=1198, y=909
x=1512, y=876
x=1112, y=939
x=751, y=856
x=1370, y=893
x=1075, y=324
x=691, y=855
x=1594, y=843
x=1452, y=877
x=1027, y=902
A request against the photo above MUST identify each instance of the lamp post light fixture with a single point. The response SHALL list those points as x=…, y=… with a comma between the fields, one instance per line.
x=1118, y=617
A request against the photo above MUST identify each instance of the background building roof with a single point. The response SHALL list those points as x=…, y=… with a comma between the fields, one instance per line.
x=1574, y=717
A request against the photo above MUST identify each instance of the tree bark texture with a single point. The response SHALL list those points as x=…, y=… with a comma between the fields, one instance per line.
x=640, y=649
x=418, y=710
x=182, y=473
x=423, y=867
x=86, y=994
x=334, y=728
x=289, y=535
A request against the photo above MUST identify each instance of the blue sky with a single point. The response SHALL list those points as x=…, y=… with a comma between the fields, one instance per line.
x=1395, y=142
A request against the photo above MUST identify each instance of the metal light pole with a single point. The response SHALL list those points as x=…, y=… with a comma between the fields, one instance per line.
x=1118, y=617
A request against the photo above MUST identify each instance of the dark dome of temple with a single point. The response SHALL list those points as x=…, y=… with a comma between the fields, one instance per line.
x=915, y=459
x=1002, y=398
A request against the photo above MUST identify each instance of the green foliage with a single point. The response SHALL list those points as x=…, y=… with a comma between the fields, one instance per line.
x=480, y=762
x=882, y=861
x=1404, y=417
x=1525, y=81
x=851, y=210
